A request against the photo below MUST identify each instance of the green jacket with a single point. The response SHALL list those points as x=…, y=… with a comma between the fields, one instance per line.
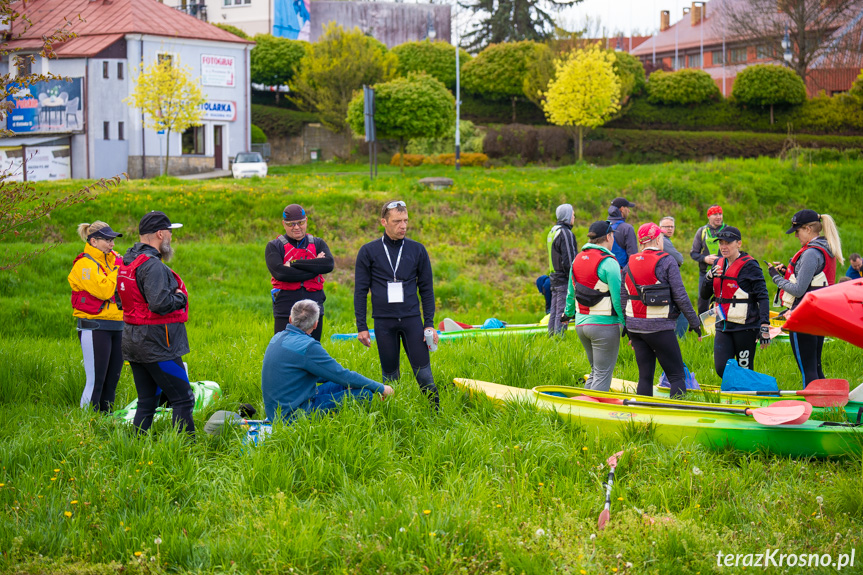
x=608, y=272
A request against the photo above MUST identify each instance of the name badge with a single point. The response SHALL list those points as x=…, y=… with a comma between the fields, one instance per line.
x=395, y=292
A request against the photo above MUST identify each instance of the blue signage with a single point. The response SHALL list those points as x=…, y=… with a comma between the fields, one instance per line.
x=51, y=106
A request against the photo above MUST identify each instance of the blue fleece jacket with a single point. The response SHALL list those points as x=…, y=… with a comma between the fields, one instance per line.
x=293, y=364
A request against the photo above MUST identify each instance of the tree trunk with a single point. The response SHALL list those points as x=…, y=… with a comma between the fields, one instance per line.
x=167, y=150
x=771, y=114
x=580, y=143
x=513, y=109
x=277, y=96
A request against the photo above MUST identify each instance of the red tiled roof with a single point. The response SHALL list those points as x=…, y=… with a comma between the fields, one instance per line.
x=684, y=35
x=97, y=21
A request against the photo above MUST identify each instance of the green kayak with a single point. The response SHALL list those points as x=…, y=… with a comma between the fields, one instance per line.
x=675, y=424
x=206, y=392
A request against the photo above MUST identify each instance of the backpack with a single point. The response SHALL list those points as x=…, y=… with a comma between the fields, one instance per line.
x=688, y=379
x=618, y=250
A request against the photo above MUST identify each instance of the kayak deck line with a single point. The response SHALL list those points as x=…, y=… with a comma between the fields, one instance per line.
x=673, y=425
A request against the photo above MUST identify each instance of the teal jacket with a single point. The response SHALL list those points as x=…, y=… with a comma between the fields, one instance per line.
x=609, y=273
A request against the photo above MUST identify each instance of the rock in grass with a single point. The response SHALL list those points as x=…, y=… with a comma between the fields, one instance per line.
x=436, y=183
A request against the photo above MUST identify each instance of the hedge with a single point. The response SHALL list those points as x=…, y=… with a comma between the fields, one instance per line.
x=414, y=160
x=280, y=122
x=520, y=143
x=482, y=111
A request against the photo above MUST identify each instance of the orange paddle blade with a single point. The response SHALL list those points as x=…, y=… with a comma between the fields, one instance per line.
x=603, y=519
x=790, y=412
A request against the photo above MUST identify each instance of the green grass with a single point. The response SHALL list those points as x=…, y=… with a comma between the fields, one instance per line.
x=348, y=493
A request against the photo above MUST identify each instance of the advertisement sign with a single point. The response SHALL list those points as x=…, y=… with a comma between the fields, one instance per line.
x=12, y=164
x=51, y=106
x=217, y=71
x=43, y=163
x=292, y=19
x=219, y=110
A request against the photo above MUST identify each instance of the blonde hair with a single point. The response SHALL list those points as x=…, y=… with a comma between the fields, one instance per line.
x=85, y=230
x=831, y=234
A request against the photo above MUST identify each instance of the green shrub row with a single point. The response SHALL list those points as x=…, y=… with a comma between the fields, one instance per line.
x=413, y=160
x=280, y=122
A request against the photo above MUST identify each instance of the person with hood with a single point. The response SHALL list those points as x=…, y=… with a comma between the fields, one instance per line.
x=705, y=249
x=593, y=298
x=812, y=267
x=98, y=313
x=156, y=307
x=625, y=243
x=652, y=297
x=736, y=284
x=561, y=247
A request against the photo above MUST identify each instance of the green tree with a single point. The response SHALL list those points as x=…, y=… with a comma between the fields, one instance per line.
x=275, y=61
x=336, y=66
x=437, y=59
x=768, y=85
x=169, y=99
x=681, y=87
x=499, y=21
x=586, y=92
x=500, y=71
x=20, y=203
x=630, y=72
x=417, y=106
x=539, y=73
x=233, y=30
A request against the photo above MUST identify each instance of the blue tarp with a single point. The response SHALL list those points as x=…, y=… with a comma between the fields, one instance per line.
x=737, y=378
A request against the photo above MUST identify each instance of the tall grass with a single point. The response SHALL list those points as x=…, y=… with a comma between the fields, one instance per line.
x=393, y=487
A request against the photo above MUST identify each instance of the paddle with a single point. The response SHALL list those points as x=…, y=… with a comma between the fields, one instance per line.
x=819, y=392
x=790, y=412
x=606, y=513
x=856, y=394
x=217, y=421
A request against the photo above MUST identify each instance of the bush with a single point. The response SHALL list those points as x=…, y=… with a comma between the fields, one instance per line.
x=468, y=159
x=471, y=141
x=681, y=87
x=630, y=71
x=481, y=110
x=233, y=30
x=437, y=59
x=258, y=135
x=767, y=85
x=499, y=70
x=410, y=160
x=279, y=122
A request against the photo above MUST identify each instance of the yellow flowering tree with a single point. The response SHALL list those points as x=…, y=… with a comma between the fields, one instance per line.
x=169, y=98
x=586, y=92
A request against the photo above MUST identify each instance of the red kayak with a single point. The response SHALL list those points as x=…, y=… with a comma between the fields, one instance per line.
x=836, y=311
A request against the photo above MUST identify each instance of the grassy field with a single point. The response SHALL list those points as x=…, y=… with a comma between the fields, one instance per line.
x=393, y=487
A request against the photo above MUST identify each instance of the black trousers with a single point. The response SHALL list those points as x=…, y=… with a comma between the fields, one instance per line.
x=740, y=345
x=807, y=351
x=661, y=346
x=390, y=335
x=170, y=377
x=103, y=362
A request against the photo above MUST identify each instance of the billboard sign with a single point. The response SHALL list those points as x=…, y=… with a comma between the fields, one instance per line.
x=218, y=71
x=292, y=20
x=219, y=110
x=44, y=107
x=41, y=162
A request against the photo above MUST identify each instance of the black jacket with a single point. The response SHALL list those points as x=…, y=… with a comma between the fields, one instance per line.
x=563, y=250
x=373, y=273
x=299, y=271
x=162, y=342
x=751, y=280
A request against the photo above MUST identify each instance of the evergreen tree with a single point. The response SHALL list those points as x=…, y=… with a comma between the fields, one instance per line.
x=511, y=20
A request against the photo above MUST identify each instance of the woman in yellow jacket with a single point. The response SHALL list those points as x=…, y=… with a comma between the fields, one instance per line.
x=99, y=313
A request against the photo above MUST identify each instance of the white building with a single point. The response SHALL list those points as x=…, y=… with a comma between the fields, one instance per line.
x=83, y=128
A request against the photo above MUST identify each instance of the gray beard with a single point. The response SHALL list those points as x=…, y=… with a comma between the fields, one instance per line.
x=166, y=250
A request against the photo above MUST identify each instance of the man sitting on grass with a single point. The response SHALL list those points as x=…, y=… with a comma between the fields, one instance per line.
x=293, y=364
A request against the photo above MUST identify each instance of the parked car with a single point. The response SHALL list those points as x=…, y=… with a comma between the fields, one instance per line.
x=248, y=164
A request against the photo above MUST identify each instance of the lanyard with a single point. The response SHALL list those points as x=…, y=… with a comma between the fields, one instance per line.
x=389, y=259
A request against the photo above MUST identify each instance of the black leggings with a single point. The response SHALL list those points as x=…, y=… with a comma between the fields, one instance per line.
x=171, y=377
x=282, y=322
x=662, y=346
x=389, y=334
x=739, y=345
x=103, y=362
x=807, y=352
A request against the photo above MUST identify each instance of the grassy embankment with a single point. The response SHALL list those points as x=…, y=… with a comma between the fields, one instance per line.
x=351, y=492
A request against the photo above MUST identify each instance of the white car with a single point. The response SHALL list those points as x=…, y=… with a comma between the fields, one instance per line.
x=249, y=164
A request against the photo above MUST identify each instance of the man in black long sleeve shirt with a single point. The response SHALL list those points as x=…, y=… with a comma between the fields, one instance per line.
x=394, y=269
x=297, y=262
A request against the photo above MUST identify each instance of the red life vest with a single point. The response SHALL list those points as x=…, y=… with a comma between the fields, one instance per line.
x=826, y=277
x=83, y=300
x=642, y=269
x=291, y=254
x=588, y=287
x=727, y=292
x=135, y=308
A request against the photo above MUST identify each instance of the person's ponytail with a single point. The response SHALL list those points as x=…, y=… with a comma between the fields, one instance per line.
x=831, y=234
x=84, y=230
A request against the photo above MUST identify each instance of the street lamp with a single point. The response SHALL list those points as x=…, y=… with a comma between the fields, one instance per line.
x=430, y=31
x=786, y=47
x=457, y=107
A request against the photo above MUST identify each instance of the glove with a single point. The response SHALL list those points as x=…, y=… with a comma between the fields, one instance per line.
x=709, y=274
x=774, y=273
x=764, y=335
x=566, y=318
x=696, y=329
x=623, y=332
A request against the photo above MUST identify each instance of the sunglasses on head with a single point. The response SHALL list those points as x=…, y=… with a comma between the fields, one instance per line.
x=396, y=204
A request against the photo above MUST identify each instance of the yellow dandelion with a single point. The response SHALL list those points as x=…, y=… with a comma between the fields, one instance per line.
x=426, y=511
x=137, y=553
x=697, y=505
x=620, y=498
x=128, y=529
x=431, y=533
x=74, y=502
x=498, y=505
x=582, y=571
x=56, y=471
x=2, y=485
x=53, y=479
x=584, y=449
x=541, y=483
x=67, y=513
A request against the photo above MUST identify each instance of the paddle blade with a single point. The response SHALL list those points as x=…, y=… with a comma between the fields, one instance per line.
x=217, y=421
x=790, y=412
x=826, y=392
x=856, y=395
x=603, y=519
x=586, y=398
x=452, y=325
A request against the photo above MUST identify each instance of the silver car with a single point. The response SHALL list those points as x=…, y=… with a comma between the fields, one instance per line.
x=249, y=164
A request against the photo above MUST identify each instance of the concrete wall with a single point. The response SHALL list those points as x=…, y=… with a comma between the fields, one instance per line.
x=391, y=23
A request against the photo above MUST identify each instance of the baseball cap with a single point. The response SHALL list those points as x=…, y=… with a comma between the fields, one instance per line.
x=802, y=218
x=293, y=212
x=155, y=221
x=648, y=232
x=622, y=203
x=106, y=233
x=599, y=229
x=729, y=234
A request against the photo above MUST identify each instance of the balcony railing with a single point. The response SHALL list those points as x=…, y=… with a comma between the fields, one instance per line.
x=199, y=10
